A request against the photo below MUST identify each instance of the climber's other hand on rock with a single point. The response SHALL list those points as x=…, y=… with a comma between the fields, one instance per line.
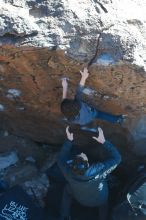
x=100, y=138
x=69, y=134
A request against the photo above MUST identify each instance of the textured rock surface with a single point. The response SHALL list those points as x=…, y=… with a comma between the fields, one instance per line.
x=75, y=27
x=7, y=160
x=37, y=187
x=41, y=41
x=29, y=173
x=30, y=91
x=139, y=134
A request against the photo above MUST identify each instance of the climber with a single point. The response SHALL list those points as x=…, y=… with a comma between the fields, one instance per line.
x=87, y=183
x=78, y=112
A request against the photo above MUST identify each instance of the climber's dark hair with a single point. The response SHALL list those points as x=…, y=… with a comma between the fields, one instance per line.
x=70, y=108
x=78, y=165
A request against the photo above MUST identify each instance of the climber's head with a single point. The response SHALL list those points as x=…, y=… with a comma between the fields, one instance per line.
x=79, y=164
x=70, y=108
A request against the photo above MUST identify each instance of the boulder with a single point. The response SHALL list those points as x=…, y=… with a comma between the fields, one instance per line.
x=43, y=41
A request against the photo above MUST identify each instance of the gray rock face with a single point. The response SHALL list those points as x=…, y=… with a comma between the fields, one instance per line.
x=139, y=130
x=37, y=187
x=7, y=160
x=19, y=174
x=139, y=135
x=75, y=27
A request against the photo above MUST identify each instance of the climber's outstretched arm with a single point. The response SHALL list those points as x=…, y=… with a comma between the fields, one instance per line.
x=84, y=76
x=65, y=88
